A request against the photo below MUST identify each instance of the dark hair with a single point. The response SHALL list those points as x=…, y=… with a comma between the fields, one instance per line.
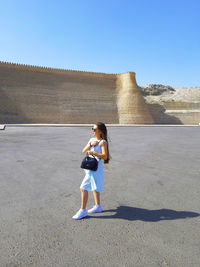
x=103, y=133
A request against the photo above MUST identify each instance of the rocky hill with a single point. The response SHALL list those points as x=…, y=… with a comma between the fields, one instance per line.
x=158, y=93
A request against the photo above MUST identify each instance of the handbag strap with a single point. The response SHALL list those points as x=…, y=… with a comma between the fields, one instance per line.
x=98, y=159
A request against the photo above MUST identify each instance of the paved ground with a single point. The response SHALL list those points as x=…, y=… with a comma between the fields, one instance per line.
x=151, y=198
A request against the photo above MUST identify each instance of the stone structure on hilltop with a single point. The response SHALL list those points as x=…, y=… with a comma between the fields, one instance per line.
x=32, y=94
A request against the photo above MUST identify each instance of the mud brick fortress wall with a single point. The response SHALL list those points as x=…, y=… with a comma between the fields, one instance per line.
x=32, y=94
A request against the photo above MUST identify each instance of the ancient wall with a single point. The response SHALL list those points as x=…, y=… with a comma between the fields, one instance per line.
x=187, y=112
x=30, y=94
x=44, y=95
x=131, y=104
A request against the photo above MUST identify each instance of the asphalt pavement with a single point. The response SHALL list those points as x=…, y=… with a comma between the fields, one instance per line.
x=151, y=198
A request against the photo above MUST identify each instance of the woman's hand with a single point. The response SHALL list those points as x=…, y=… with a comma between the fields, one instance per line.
x=90, y=152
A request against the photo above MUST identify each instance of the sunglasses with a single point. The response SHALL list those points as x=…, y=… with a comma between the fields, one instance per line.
x=94, y=130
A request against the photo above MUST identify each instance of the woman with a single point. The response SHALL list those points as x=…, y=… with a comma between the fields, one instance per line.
x=93, y=180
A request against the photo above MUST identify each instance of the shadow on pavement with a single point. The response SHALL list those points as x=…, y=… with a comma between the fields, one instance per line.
x=132, y=214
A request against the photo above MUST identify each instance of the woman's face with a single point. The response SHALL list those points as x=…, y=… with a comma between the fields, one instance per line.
x=96, y=131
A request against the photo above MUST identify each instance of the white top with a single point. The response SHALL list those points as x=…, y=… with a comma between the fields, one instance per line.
x=95, y=139
x=96, y=148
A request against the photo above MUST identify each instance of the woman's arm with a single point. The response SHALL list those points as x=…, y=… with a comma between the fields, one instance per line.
x=86, y=148
x=91, y=142
x=102, y=155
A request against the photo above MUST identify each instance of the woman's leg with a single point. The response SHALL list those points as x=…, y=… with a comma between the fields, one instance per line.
x=84, y=198
x=96, y=197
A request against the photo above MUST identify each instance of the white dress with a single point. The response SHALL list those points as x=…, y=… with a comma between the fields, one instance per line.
x=93, y=180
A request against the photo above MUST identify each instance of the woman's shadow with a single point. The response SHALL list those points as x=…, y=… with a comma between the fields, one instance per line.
x=132, y=214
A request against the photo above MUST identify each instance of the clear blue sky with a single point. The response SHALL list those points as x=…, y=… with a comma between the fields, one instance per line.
x=157, y=39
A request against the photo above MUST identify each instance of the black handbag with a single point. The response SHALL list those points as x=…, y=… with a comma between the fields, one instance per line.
x=90, y=163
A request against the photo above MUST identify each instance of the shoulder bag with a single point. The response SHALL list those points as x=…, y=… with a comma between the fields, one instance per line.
x=89, y=163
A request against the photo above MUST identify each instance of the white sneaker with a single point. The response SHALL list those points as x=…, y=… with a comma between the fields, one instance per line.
x=80, y=214
x=96, y=208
